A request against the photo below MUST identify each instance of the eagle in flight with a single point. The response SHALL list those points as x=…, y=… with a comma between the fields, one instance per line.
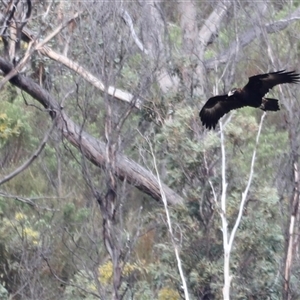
x=252, y=94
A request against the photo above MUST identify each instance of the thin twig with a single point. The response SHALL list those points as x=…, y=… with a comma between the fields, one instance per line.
x=29, y=201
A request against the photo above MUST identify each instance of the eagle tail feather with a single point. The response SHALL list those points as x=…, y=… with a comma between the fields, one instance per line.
x=270, y=104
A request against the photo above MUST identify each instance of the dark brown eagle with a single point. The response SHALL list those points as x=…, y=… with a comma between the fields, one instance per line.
x=252, y=94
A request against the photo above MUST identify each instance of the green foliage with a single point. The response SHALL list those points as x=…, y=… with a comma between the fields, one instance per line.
x=131, y=75
x=20, y=229
x=13, y=121
x=87, y=291
x=7, y=129
x=106, y=272
x=3, y=293
x=130, y=71
x=168, y=294
x=175, y=35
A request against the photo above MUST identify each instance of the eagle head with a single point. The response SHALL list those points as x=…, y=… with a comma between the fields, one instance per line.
x=231, y=92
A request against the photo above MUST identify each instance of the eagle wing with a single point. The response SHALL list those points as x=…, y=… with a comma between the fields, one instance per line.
x=262, y=83
x=216, y=107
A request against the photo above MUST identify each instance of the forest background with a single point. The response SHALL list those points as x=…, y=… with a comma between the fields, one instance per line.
x=110, y=186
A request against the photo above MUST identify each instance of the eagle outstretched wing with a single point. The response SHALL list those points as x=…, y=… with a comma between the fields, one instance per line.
x=251, y=95
x=216, y=107
x=262, y=83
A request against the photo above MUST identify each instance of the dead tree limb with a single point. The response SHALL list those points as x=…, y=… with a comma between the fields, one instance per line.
x=93, y=149
x=29, y=36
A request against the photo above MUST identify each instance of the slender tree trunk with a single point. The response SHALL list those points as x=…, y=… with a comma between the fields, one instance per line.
x=228, y=237
x=226, y=288
x=291, y=235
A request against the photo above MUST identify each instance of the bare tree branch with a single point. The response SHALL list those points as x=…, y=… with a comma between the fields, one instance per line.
x=228, y=237
x=125, y=15
x=246, y=191
x=116, y=93
x=169, y=222
x=18, y=198
x=30, y=201
x=93, y=149
x=250, y=35
x=28, y=35
x=18, y=67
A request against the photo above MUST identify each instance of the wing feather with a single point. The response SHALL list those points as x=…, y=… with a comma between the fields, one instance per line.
x=262, y=83
x=216, y=107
